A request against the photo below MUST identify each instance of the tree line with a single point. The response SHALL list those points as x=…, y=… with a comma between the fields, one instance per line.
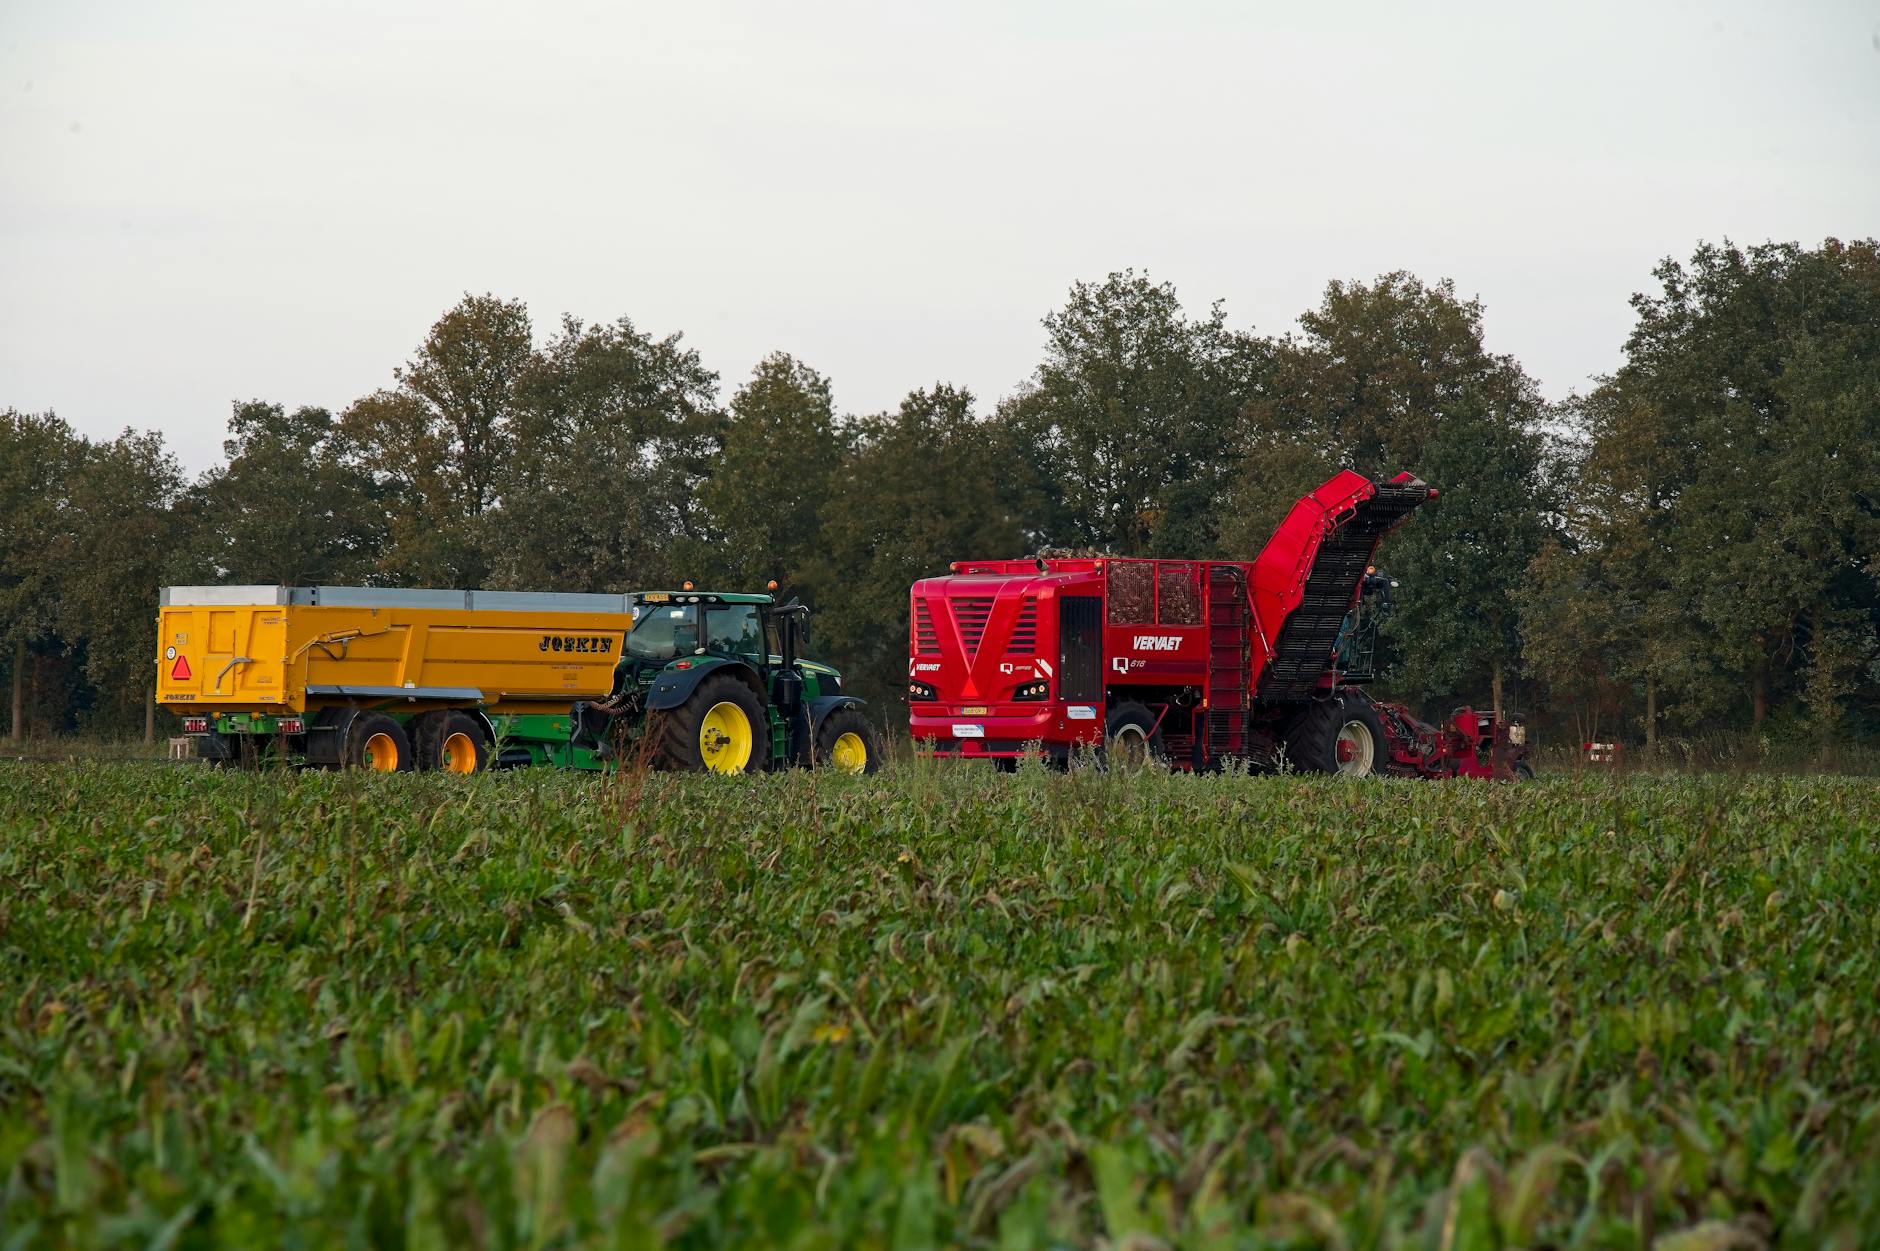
x=1692, y=546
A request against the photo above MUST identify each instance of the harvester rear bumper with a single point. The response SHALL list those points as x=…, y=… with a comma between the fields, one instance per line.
x=1001, y=735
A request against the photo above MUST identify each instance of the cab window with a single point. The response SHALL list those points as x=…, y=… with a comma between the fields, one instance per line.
x=664, y=633
x=734, y=630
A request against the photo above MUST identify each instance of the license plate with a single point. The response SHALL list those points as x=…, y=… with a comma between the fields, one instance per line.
x=969, y=731
x=974, y=710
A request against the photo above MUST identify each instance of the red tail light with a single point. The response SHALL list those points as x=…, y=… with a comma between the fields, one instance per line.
x=195, y=725
x=292, y=725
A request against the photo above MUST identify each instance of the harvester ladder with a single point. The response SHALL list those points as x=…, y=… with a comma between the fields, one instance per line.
x=1227, y=663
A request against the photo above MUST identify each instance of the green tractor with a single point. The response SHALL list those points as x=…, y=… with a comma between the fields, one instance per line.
x=711, y=682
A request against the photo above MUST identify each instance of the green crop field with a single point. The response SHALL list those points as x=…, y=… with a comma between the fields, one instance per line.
x=936, y=1008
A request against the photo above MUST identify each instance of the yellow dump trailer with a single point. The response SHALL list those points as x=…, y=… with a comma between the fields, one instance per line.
x=384, y=679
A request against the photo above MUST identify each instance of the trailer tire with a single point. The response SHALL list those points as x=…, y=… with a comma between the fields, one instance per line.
x=1342, y=735
x=846, y=743
x=377, y=743
x=451, y=742
x=243, y=754
x=1131, y=737
x=720, y=728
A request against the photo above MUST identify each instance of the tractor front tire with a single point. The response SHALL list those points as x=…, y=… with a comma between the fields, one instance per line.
x=451, y=742
x=1342, y=735
x=1131, y=737
x=846, y=742
x=721, y=728
x=378, y=744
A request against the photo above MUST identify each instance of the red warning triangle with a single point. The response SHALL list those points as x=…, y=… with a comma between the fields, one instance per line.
x=179, y=672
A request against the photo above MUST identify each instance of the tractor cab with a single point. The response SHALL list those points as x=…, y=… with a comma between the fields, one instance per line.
x=668, y=626
x=712, y=681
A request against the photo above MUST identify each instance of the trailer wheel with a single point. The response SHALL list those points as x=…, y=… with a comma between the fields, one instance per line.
x=1341, y=735
x=378, y=743
x=720, y=729
x=1131, y=737
x=1523, y=771
x=846, y=743
x=451, y=742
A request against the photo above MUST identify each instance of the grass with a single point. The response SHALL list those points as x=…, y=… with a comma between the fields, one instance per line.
x=936, y=1008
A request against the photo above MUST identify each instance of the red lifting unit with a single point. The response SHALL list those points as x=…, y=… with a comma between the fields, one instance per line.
x=1192, y=662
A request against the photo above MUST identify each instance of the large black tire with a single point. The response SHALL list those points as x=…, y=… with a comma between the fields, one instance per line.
x=450, y=742
x=846, y=742
x=1523, y=771
x=376, y=742
x=244, y=753
x=705, y=733
x=1131, y=737
x=1313, y=740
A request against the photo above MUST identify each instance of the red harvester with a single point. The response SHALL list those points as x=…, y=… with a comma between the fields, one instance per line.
x=1191, y=662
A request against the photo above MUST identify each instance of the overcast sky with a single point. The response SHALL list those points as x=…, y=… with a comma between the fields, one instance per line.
x=204, y=201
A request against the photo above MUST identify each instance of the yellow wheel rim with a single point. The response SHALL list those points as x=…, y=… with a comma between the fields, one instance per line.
x=459, y=754
x=850, y=754
x=724, y=739
x=381, y=754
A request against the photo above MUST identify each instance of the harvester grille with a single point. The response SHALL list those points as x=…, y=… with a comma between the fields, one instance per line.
x=971, y=615
x=1024, y=640
x=926, y=642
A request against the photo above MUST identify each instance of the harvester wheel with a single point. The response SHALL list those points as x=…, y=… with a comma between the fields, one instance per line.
x=451, y=742
x=1523, y=771
x=846, y=743
x=720, y=729
x=376, y=742
x=1339, y=735
x=1131, y=737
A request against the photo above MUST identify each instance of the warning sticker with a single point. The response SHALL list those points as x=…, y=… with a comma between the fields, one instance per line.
x=180, y=671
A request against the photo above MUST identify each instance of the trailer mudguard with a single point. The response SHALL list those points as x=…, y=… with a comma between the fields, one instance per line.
x=821, y=708
x=674, y=686
x=326, y=734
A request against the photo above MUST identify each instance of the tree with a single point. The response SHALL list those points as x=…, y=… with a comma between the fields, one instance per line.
x=286, y=509
x=1120, y=440
x=437, y=441
x=111, y=553
x=919, y=491
x=761, y=507
x=1394, y=375
x=611, y=433
x=36, y=455
x=1755, y=378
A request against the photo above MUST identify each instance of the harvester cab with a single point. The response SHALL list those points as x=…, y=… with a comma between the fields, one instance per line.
x=712, y=681
x=1355, y=656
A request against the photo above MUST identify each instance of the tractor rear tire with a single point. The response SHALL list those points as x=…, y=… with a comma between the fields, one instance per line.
x=377, y=743
x=1342, y=735
x=451, y=742
x=846, y=743
x=1131, y=737
x=721, y=728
